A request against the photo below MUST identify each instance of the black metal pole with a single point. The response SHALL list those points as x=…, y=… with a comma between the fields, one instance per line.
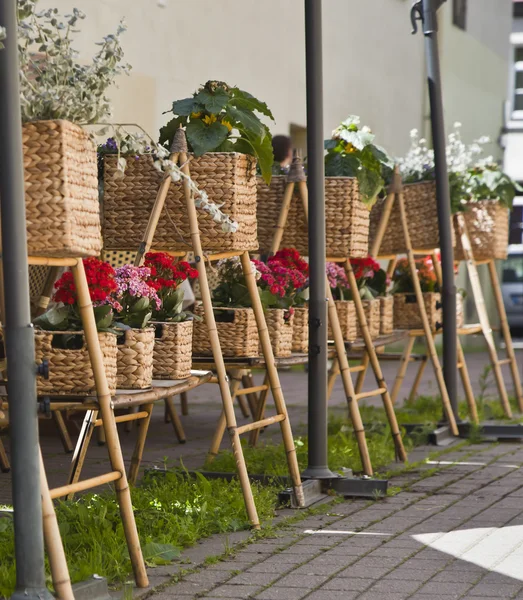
x=448, y=291
x=19, y=338
x=317, y=386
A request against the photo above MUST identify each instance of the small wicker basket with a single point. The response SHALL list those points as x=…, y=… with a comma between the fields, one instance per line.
x=70, y=371
x=488, y=228
x=135, y=359
x=238, y=335
x=386, y=314
x=61, y=190
x=422, y=218
x=280, y=332
x=346, y=216
x=172, y=355
x=229, y=178
x=349, y=324
x=407, y=314
x=300, y=330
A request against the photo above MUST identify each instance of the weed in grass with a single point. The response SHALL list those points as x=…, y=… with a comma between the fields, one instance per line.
x=171, y=510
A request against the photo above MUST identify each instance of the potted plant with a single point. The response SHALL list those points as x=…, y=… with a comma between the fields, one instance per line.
x=379, y=287
x=60, y=340
x=353, y=170
x=172, y=357
x=226, y=138
x=59, y=95
x=406, y=310
x=135, y=299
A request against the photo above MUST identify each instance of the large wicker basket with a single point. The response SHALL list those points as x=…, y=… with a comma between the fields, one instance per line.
x=135, y=359
x=280, y=328
x=61, y=190
x=238, y=334
x=488, y=228
x=300, y=330
x=386, y=314
x=407, y=313
x=70, y=371
x=172, y=356
x=347, y=218
x=229, y=179
x=422, y=219
x=349, y=324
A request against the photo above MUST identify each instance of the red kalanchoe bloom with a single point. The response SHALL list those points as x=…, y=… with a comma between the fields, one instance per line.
x=100, y=280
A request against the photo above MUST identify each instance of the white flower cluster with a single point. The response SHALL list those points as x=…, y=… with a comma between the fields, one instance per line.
x=419, y=160
x=234, y=264
x=350, y=132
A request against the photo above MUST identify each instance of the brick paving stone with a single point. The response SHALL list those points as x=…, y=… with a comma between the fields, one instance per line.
x=229, y=565
x=355, y=584
x=302, y=581
x=333, y=595
x=271, y=567
x=363, y=571
x=438, y=588
x=236, y=591
x=319, y=568
x=389, y=585
x=403, y=574
x=282, y=593
x=247, y=578
x=379, y=596
x=494, y=590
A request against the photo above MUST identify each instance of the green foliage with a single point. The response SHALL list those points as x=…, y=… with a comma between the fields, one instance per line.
x=172, y=511
x=221, y=118
x=351, y=153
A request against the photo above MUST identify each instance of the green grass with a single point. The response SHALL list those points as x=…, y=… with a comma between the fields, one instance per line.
x=172, y=511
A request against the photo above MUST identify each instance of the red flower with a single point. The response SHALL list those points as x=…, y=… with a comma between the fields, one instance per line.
x=100, y=280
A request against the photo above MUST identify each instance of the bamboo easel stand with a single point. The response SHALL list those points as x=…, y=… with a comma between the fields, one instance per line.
x=396, y=193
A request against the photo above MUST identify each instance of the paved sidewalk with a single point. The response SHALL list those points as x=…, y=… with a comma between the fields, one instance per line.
x=454, y=532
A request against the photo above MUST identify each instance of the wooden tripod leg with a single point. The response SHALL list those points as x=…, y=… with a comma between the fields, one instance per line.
x=360, y=380
x=109, y=425
x=62, y=431
x=143, y=428
x=426, y=325
x=384, y=221
x=404, y=363
x=228, y=408
x=350, y=393
x=175, y=420
x=274, y=380
x=236, y=395
x=82, y=445
x=252, y=398
x=53, y=542
x=282, y=218
x=465, y=379
x=5, y=466
x=185, y=403
x=333, y=375
x=417, y=379
x=505, y=331
x=45, y=296
x=376, y=367
x=217, y=437
x=260, y=412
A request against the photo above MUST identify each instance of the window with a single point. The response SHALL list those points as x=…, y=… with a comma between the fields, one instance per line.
x=516, y=222
x=459, y=13
x=518, y=8
x=517, y=107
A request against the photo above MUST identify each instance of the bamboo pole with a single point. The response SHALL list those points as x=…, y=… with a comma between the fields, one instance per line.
x=426, y=325
x=237, y=394
x=45, y=261
x=333, y=374
x=185, y=404
x=261, y=424
x=417, y=379
x=5, y=466
x=136, y=459
x=385, y=216
x=360, y=380
x=62, y=431
x=53, y=542
x=82, y=444
x=228, y=409
x=380, y=380
x=85, y=484
x=282, y=218
x=251, y=391
x=111, y=432
x=47, y=290
x=505, y=331
x=274, y=380
x=260, y=410
x=404, y=363
x=175, y=420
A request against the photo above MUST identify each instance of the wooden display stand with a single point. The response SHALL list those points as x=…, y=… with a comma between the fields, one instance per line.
x=228, y=418
x=297, y=177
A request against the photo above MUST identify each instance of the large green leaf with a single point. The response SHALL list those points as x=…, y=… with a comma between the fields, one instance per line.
x=248, y=121
x=262, y=150
x=55, y=319
x=381, y=155
x=213, y=102
x=341, y=165
x=268, y=298
x=370, y=184
x=245, y=100
x=156, y=554
x=184, y=108
x=330, y=144
x=103, y=316
x=140, y=305
x=205, y=138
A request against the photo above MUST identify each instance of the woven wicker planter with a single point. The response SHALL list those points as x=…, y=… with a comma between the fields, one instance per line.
x=280, y=332
x=70, y=371
x=346, y=216
x=229, y=179
x=238, y=334
x=422, y=219
x=172, y=355
x=386, y=314
x=300, y=330
x=347, y=316
x=407, y=313
x=61, y=190
x=135, y=359
x=488, y=228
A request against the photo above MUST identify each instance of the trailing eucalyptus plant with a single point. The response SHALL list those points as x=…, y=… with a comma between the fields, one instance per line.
x=222, y=118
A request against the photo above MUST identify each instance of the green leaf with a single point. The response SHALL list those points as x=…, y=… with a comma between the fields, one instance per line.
x=248, y=120
x=167, y=131
x=381, y=155
x=212, y=102
x=262, y=150
x=140, y=305
x=245, y=100
x=268, y=299
x=341, y=165
x=103, y=316
x=330, y=144
x=184, y=108
x=205, y=138
x=370, y=184
x=160, y=554
x=55, y=319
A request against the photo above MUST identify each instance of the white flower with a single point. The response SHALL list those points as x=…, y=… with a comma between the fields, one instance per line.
x=351, y=120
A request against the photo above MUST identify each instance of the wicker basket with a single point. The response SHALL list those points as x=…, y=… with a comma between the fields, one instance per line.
x=172, y=356
x=372, y=315
x=300, y=330
x=280, y=332
x=488, y=228
x=229, y=179
x=386, y=314
x=407, y=314
x=61, y=190
x=70, y=371
x=238, y=335
x=349, y=324
x=422, y=219
x=135, y=359
x=346, y=216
